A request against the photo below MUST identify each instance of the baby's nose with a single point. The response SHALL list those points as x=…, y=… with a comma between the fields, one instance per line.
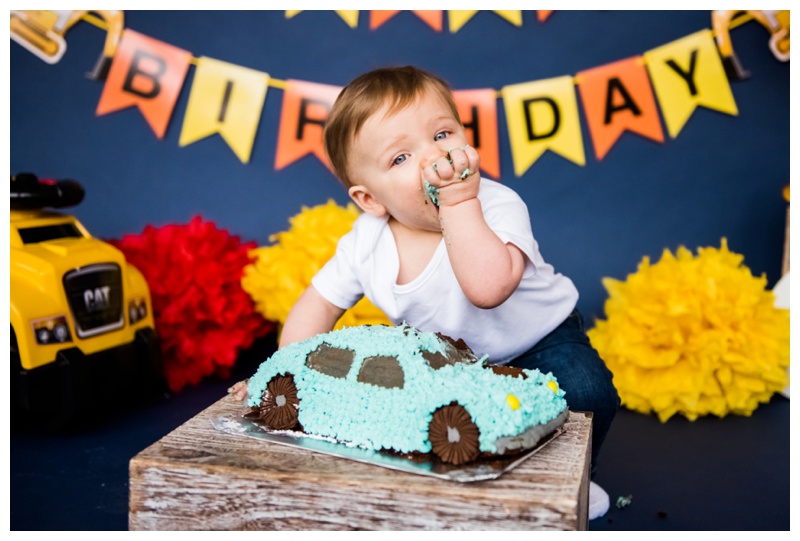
x=434, y=152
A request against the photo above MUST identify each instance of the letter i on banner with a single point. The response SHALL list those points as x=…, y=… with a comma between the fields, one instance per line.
x=147, y=73
x=618, y=97
x=225, y=99
x=688, y=73
x=543, y=115
x=305, y=110
x=478, y=112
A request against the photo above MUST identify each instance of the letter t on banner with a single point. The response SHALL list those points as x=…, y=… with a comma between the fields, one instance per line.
x=147, y=73
x=305, y=110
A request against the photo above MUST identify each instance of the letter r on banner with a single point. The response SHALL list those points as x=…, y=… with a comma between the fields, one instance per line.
x=305, y=110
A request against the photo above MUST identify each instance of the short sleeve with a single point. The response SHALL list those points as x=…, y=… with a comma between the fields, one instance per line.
x=507, y=215
x=337, y=280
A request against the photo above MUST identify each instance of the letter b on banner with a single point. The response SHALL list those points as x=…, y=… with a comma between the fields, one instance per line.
x=147, y=73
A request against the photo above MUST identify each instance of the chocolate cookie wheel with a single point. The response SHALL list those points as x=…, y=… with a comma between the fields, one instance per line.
x=280, y=406
x=453, y=435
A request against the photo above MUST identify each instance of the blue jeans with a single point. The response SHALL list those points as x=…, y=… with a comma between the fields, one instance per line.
x=581, y=373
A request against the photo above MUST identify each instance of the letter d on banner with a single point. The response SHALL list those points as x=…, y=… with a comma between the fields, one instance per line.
x=543, y=115
x=147, y=73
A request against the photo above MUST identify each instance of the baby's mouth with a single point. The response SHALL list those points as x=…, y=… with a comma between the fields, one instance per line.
x=433, y=194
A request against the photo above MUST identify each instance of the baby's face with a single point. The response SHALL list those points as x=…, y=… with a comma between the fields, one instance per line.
x=390, y=151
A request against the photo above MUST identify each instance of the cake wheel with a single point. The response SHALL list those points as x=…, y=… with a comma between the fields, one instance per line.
x=279, y=403
x=453, y=435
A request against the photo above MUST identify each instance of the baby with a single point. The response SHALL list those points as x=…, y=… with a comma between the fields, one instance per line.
x=442, y=249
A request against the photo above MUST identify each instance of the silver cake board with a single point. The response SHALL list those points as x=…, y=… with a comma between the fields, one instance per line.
x=427, y=464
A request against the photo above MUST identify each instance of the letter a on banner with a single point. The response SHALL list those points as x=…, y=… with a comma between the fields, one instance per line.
x=688, y=73
x=618, y=97
x=225, y=99
x=543, y=115
x=478, y=112
x=147, y=73
x=305, y=110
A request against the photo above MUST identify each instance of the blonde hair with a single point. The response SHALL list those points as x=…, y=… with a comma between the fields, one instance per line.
x=365, y=96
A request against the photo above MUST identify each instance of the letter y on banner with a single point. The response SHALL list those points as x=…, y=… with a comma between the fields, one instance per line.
x=147, y=73
x=688, y=73
x=305, y=110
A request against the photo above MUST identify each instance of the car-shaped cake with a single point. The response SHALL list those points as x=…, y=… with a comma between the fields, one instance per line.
x=403, y=390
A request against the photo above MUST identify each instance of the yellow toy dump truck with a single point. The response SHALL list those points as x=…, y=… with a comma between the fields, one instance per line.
x=81, y=318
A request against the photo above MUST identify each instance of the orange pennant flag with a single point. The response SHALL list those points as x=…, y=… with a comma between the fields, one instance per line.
x=618, y=97
x=305, y=110
x=379, y=16
x=543, y=14
x=431, y=16
x=147, y=73
x=478, y=112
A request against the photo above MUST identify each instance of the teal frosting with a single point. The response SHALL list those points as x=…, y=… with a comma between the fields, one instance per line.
x=375, y=417
x=433, y=193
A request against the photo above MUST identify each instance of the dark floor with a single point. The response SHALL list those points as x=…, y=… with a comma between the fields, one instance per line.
x=710, y=474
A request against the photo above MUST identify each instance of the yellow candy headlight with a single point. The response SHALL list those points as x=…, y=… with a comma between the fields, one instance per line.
x=513, y=402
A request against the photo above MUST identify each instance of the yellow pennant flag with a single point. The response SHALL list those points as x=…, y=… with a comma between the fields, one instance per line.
x=225, y=99
x=543, y=115
x=514, y=16
x=688, y=73
x=459, y=17
x=350, y=16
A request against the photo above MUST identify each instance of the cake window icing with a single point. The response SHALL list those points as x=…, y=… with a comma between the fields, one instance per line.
x=436, y=360
x=382, y=370
x=331, y=360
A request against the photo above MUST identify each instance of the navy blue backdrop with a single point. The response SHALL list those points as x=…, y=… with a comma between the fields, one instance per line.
x=722, y=175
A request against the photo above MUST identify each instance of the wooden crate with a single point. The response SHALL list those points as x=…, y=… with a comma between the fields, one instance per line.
x=197, y=478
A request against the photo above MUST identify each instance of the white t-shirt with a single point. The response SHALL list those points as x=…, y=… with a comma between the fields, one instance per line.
x=366, y=263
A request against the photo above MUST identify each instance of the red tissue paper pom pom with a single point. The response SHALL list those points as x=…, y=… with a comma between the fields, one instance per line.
x=203, y=316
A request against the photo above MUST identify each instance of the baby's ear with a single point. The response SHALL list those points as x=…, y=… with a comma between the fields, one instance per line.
x=365, y=200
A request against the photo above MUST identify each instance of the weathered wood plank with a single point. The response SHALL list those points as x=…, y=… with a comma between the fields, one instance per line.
x=197, y=478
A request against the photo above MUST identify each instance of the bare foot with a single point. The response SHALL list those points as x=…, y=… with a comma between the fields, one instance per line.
x=239, y=391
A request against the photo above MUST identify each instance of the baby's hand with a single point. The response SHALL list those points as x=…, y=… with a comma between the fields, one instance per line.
x=455, y=177
x=239, y=390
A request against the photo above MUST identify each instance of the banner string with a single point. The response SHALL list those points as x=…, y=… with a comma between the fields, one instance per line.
x=281, y=84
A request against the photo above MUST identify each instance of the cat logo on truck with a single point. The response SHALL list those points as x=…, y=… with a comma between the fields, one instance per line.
x=81, y=317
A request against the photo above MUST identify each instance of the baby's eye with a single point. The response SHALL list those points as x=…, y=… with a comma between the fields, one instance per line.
x=400, y=159
x=439, y=136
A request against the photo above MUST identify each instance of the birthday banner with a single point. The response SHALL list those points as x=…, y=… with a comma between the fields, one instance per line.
x=432, y=17
x=542, y=115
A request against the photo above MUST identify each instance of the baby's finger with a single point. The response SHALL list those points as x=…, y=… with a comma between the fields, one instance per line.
x=473, y=157
x=443, y=169
x=460, y=159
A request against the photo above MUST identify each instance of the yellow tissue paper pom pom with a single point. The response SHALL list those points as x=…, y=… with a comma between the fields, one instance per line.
x=282, y=271
x=693, y=336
